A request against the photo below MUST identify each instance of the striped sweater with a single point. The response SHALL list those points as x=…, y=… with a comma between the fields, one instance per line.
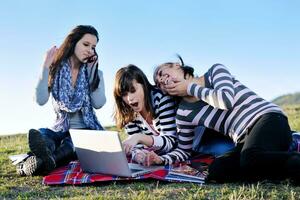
x=163, y=130
x=225, y=105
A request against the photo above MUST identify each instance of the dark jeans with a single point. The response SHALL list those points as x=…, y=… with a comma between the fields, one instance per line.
x=55, y=139
x=60, y=145
x=264, y=153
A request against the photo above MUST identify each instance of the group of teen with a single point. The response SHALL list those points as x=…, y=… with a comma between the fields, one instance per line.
x=160, y=119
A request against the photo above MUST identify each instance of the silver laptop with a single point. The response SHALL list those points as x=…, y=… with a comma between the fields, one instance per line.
x=102, y=152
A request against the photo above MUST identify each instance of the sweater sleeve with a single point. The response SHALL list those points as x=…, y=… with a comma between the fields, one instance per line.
x=184, y=148
x=41, y=91
x=98, y=97
x=167, y=138
x=132, y=128
x=221, y=95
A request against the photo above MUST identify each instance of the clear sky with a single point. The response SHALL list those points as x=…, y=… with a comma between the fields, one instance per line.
x=259, y=41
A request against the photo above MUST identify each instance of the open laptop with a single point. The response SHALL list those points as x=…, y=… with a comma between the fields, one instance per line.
x=102, y=152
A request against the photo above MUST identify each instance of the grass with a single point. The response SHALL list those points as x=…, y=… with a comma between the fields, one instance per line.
x=293, y=112
x=16, y=187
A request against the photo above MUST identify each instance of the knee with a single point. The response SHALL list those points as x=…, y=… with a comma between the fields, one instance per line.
x=49, y=138
x=45, y=132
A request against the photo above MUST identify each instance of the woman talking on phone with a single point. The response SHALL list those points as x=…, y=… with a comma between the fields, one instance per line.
x=70, y=74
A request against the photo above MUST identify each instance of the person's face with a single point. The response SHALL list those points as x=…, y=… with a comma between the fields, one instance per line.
x=166, y=74
x=135, y=97
x=85, y=47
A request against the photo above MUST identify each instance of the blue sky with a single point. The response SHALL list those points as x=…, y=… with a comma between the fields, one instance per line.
x=259, y=41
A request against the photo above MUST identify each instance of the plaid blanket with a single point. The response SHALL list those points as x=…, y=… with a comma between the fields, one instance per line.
x=73, y=174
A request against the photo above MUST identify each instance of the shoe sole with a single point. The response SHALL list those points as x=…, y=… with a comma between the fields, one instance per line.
x=19, y=169
x=32, y=165
x=38, y=146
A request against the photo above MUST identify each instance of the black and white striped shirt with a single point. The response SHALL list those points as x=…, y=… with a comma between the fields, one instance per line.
x=163, y=130
x=225, y=105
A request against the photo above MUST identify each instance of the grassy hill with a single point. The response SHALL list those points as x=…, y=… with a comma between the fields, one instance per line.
x=290, y=103
x=289, y=99
x=293, y=113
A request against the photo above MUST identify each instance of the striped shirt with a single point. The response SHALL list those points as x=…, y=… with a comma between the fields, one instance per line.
x=163, y=130
x=225, y=105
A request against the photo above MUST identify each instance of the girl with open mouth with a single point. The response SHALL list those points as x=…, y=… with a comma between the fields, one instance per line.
x=146, y=113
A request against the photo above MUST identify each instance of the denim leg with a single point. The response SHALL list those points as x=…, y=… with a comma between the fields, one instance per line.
x=65, y=152
x=67, y=141
x=208, y=141
x=53, y=139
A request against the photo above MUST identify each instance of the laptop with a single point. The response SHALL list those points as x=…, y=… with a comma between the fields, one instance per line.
x=102, y=152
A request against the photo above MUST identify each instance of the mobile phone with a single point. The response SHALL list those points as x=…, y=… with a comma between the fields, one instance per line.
x=92, y=58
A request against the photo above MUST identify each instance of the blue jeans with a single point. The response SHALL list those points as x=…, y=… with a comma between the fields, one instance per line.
x=56, y=139
x=208, y=141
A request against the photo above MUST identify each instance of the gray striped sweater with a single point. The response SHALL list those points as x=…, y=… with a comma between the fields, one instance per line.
x=163, y=130
x=225, y=105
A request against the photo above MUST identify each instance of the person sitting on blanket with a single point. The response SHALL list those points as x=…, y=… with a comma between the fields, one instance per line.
x=219, y=101
x=70, y=73
x=147, y=114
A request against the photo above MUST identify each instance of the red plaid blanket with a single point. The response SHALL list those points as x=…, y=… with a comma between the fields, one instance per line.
x=73, y=174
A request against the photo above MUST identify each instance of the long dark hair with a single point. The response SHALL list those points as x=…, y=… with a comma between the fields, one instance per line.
x=187, y=70
x=124, y=78
x=66, y=50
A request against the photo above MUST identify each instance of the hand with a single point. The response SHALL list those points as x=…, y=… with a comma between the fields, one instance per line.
x=92, y=61
x=152, y=159
x=139, y=155
x=130, y=142
x=49, y=57
x=177, y=87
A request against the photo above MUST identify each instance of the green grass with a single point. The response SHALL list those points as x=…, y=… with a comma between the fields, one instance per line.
x=293, y=112
x=16, y=187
